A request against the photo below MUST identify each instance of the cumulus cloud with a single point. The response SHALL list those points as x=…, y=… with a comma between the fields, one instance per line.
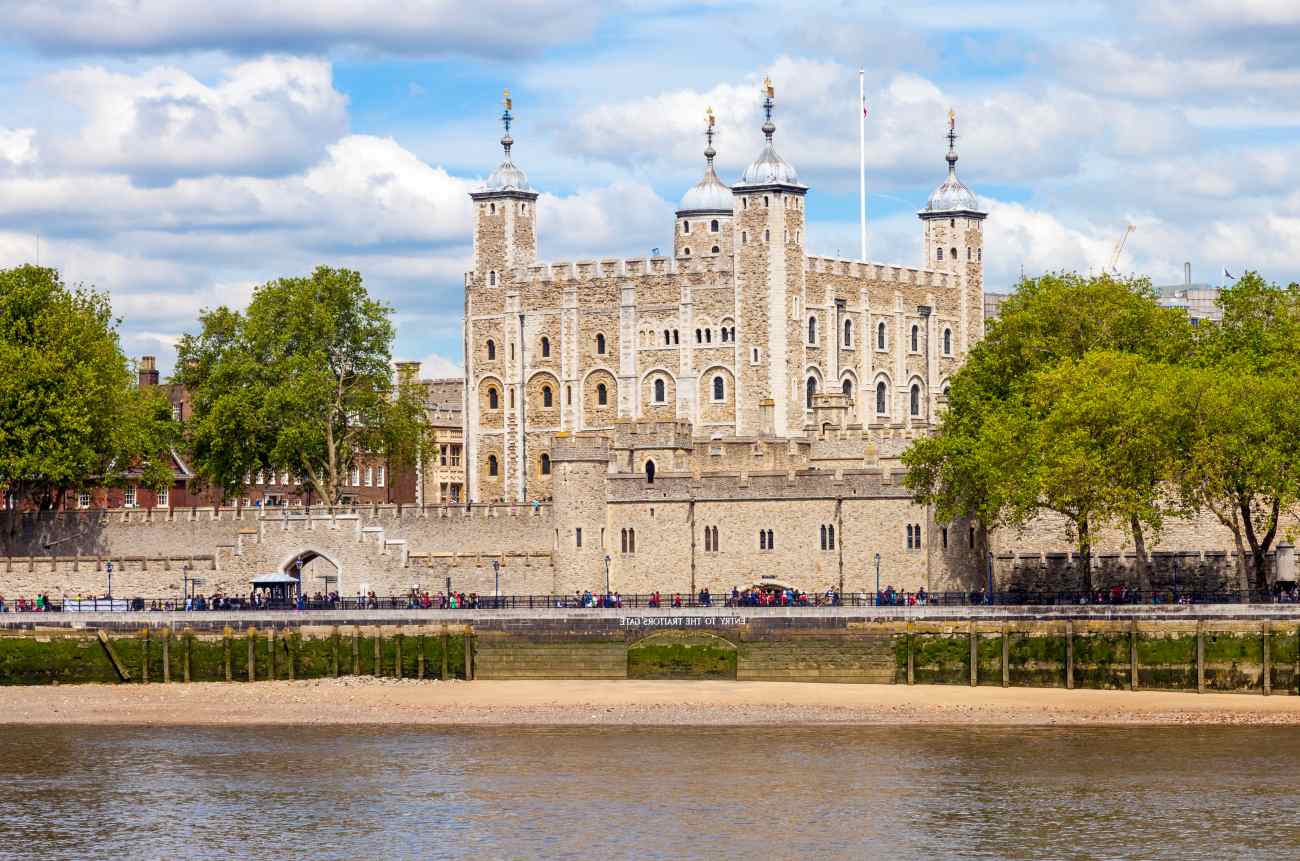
x=17, y=147
x=492, y=28
x=267, y=117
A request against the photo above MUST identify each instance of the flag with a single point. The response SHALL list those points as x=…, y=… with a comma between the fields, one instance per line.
x=864, y=107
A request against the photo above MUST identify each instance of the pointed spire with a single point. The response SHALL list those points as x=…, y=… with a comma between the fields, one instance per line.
x=506, y=118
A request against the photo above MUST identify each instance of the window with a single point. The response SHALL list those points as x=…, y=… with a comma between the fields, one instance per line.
x=627, y=541
x=512, y=351
x=492, y=464
x=600, y=345
x=714, y=250
x=708, y=540
x=880, y=398
x=719, y=389
x=546, y=464
x=650, y=474
x=811, y=390
x=970, y=537
x=880, y=335
x=455, y=455
x=546, y=396
x=754, y=356
x=767, y=236
x=379, y=476
x=356, y=476
x=909, y=536
x=916, y=399
x=716, y=545
x=762, y=539
x=675, y=341
x=660, y=395
x=492, y=208
x=940, y=253
x=943, y=533
x=765, y=200
x=284, y=479
x=823, y=536
x=952, y=222
x=744, y=237
x=686, y=251
x=491, y=350
x=848, y=333
x=128, y=497
x=686, y=227
x=699, y=337
x=847, y=387
x=713, y=227
x=494, y=399
x=83, y=500
x=442, y=455
x=830, y=537
x=725, y=335
x=953, y=254
x=602, y=394
x=546, y=348
x=812, y=330
x=523, y=207
x=916, y=530
x=968, y=254
x=577, y=537
x=492, y=278
x=916, y=330
x=668, y=338
x=947, y=342
x=512, y=399
x=370, y=476
x=708, y=336
x=568, y=396
x=176, y=412
x=771, y=540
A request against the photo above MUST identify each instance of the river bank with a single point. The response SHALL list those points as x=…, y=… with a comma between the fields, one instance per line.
x=368, y=701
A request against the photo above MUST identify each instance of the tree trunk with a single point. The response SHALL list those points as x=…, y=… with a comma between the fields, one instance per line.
x=1140, y=549
x=1259, y=544
x=1085, y=554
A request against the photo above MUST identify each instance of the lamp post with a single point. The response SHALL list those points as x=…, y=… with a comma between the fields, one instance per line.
x=110, y=583
x=876, y=601
x=606, y=578
x=496, y=572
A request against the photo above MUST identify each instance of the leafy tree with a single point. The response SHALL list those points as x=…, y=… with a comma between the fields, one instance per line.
x=70, y=415
x=301, y=383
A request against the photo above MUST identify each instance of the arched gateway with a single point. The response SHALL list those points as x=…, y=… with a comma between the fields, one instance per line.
x=325, y=576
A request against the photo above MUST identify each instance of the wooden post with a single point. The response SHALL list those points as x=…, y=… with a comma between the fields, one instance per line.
x=120, y=668
x=445, y=641
x=167, y=655
x=225, y=651
x=356, y=651
x=911, y=655
x=334, y=651
x=187, y=644
x=270, y=652
x=291, y=646
x=144, y=657
x=1200, y=657
x=1006, y=656
x=419, y=664
x=1264, y=634
x=252, y=653
x=1133, y=655
x=974, y=654
x=397, y=655
x=379, y=654
x=1069, y=654
x=469, y=652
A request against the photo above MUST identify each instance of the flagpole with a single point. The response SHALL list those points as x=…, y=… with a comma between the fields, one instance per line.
x=862, y=162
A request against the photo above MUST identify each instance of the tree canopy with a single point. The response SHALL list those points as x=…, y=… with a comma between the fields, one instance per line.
x=70, y=414
x=300, y=383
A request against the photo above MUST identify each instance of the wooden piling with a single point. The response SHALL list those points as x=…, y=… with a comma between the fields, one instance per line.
x=1200, y=657
x=469, y=652
x=334, y=651
x=187, y=645
x=123, y=675
x=397, y=655
x=252, y=653
x=911, y=654
x=144, y=656
x=291, y=652
x=1006, y=656
x=1133, y=655
x=270, y=653
x=1069, y=654
x=973, y=636
x=1267, y=683
x=167, y=655
x=445, y=641
x=226, y=634
x=379, y=654
x=419, y=664
x=356, y=651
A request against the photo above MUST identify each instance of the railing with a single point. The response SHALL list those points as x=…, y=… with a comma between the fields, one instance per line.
x=665, y=601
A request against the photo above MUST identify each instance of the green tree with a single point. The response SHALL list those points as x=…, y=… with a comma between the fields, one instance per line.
x=301, y=383
x=70, y=414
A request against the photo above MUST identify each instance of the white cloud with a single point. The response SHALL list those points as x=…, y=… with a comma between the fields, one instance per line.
x=266, y=117
x=434, y=366
x=17, y=147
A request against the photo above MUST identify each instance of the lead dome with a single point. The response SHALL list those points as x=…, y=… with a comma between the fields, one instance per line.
x=952, y=195
x=709, y=195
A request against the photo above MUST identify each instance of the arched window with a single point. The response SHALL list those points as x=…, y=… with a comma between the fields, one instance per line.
x=675, y=341
x=767, y=236
x=848, y=333
x=512, y=399
x=909, y=536
x=494, y=400
x=708, y=336
x=492, y=208
x=602, y=395
x=492, y=464
x=546, y=348
x=650, y=472
x=744, y=237
x=947, y=342
x=699, y=337
x=771, y=540
x=881, y=398
x=811, y=390
x=714, y=250
x=812, y=330
x=724, y=334
x=765, y=200
x=686, y=252
x=719, y=389
x=733, y=333
x=600, y=345
x=491, y=349
x=546, y=464
x=823, y=536
x=668, y=338
x=716, y=546
x=686, y=227
x=880, y=335
x=940, y=252
x=762, y=539
x=568, y=396
x=968, y=255
x=915, y=403
x=830, y=537
x=660, y=395
x=622, y=541
x=708, y=540
x=954, y=254
x=546, y=396
x=847, y=387
x=915, y=331
x=713, y=226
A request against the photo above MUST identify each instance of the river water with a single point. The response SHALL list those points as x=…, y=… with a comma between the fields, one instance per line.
x=650, y=793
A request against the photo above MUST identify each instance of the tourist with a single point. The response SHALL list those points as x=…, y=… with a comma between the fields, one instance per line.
x=677, y=601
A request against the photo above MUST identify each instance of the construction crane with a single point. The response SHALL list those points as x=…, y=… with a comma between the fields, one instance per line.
x=1119, y=247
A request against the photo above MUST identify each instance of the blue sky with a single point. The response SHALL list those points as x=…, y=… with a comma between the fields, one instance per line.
x=179, y=153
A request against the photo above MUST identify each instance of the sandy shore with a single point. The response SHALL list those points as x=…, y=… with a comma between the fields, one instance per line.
x=363, y=701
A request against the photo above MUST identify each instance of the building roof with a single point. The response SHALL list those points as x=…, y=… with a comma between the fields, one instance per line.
x=952, y=195
x=769, y=168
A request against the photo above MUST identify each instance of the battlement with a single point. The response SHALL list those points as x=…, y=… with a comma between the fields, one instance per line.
x=633, y=267
x=653, y=434
x=887, y=272
x=580, y=447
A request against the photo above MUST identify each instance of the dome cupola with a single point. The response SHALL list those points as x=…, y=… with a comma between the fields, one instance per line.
x=769, y=168
x=951, y=195
x=709, y=195
x=508, y=177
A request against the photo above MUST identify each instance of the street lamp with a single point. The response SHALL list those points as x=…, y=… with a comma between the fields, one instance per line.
x=876, y=600
x=496, y=571
x=110, y=582
x=606, y=578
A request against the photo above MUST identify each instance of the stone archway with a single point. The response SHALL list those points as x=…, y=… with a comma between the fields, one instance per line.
x=680, y=654
x=310, y=580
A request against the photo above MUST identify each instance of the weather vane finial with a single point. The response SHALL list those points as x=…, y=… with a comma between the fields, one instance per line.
x=769, y=93
x=506, y=117
x=708, y=134
x=952, y=120
x=505, y=99
x=768, y=88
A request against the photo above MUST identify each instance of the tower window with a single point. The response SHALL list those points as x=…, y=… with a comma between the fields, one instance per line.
x=719, y=389
x=916, y=399
x=708, y=336
x=812, y=330
x=546, y=396
x=954, y=254
x=968, y=252
x=602, y=394
x=686, y=252
x=909, y=536
x=880, y=335
x=686, y=227
x=492, y=208
x=952, y=222
x=848, y=333
x=744, y=237
x=546, y=464
x=940, y=251
x=600, y=345
x=699, y=337
x=811, y=390
x=546, y=348
x=491, y=349
x=668, y=338
x=492, y=464
x=765, y=200
x=847, y=387
x=650, y=474
x=660, y=393
x=568, y=396
x=714, y=250
x=713, y=226
x=675, y=341
x=494, y=400
x=492, y=278
x=767, y=236
x=523, y=207
x=754, y=356
x=915, y=340
x=881, y=398
x=947, y=342
x=512, y=399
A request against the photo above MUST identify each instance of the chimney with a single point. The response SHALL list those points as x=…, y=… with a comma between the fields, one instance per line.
x=408, y=372
x=1187, y=274
x=148, y=371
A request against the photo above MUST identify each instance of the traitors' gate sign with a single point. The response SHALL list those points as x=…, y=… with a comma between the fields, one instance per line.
x=681, y=621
